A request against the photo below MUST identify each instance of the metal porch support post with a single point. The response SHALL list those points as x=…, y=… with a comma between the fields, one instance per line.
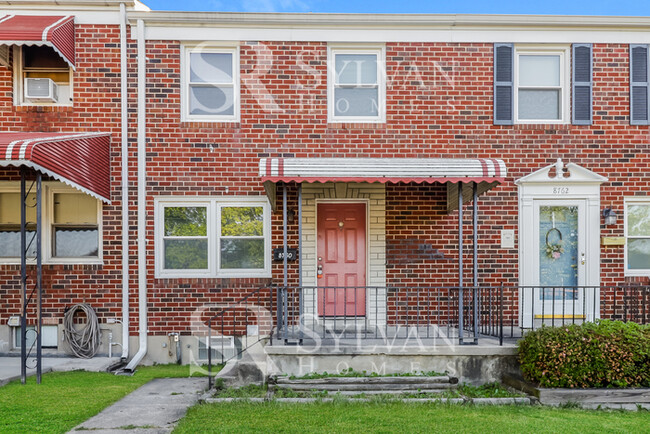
x=300, y=294
x=475, y=259
x=23, y=279
x=285, y=279
x=39, y=275
x=460, y=263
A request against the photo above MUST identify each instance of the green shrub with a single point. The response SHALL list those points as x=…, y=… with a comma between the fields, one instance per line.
x=601, y=354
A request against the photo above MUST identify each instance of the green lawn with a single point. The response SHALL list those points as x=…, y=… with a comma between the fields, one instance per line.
x=65, y=399
x=345, y=417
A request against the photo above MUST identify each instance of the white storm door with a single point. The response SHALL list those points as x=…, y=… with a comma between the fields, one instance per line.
x=559, y=256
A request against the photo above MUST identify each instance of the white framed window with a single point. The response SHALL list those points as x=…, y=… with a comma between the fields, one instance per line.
x=213, y=237
x=41, y=77
x=71, y=225
x=356, y=84
x=637, y=237
x=210, y=84
x=541, y=88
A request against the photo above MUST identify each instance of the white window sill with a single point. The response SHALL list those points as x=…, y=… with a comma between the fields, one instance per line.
x=356, y=121
x=202, y=275
x=210, y=119
x=637, y=273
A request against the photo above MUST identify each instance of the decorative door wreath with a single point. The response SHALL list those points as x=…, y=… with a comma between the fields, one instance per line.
x=554, y=250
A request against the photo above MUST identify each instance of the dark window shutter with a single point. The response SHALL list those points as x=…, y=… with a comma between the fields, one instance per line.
x=503, y=84
x=582, y=84
x=638, y=84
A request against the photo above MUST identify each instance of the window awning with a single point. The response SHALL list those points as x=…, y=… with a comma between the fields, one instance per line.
x=486, y=173
x=81, y=160
x=54, y=31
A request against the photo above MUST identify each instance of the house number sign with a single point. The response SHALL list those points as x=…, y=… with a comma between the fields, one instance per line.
x=560, y=190
x=278, y=254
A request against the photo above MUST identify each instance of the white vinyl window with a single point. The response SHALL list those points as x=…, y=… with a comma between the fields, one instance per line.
x=220, y=237
x=541, y=85
x=42, y=77
x=71, y=229
x=211, y=84
x=637, y=237
x=356, y=85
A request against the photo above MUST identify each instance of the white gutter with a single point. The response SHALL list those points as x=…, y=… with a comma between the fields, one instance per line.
x=142, y=246
x=125, y=185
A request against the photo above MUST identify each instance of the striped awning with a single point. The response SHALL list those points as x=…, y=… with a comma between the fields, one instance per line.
x=485, y=173
x=384, y=170
x=81, y=160
x=54, y=31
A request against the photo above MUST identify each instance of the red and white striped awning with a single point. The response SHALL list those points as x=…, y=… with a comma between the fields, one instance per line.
x=384, y=170
x=484, y=173
x=81, y=160
x=54, y=31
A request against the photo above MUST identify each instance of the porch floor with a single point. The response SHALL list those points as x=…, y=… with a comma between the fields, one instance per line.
x=390, y=337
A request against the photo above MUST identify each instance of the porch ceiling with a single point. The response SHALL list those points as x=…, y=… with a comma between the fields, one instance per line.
x=485, y=172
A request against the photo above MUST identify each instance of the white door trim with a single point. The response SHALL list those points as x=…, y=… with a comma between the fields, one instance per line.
x=573, y=183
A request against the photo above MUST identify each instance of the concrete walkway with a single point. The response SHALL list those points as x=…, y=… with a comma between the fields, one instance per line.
x=10, y=366
x=155, y=407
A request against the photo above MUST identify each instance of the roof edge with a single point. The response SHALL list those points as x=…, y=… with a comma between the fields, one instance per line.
x=246, y=19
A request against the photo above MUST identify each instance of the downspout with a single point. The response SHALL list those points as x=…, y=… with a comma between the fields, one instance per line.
x=125, y=185
x=142, y=247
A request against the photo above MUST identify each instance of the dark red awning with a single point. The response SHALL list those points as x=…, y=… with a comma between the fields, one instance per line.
x=81, y=160
x=54, y=31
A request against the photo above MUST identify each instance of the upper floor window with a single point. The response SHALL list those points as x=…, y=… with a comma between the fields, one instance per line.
x=42, y=76
x=356, y=85
x=211, y=84
x=543, y=84
x=637, y=237
x=70, y=225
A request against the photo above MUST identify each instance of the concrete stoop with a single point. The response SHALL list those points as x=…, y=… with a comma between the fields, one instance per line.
x=368, y=385
x=471, y=364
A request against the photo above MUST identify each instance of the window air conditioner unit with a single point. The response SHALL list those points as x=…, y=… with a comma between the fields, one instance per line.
x=41, y=89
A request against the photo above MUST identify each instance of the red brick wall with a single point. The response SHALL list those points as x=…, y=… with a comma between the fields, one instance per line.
x=439, y=104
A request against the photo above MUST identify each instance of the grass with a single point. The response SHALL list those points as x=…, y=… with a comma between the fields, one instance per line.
x=347, y=416
x=65, y=399
x=490, y=390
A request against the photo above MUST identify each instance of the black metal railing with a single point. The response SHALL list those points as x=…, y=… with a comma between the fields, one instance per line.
x=421, y=315
x=239, y=326
x=433, y=315
x=429, y=316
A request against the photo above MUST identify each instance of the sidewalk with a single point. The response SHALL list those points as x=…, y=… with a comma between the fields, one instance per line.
x=153, y=408
x=10, y=366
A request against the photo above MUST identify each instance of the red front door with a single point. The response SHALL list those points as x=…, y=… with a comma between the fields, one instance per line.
x=342, y=256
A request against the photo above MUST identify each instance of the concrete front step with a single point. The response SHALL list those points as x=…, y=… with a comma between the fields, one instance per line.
x=443, y=379
x=385, y=391
x=370, y=385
